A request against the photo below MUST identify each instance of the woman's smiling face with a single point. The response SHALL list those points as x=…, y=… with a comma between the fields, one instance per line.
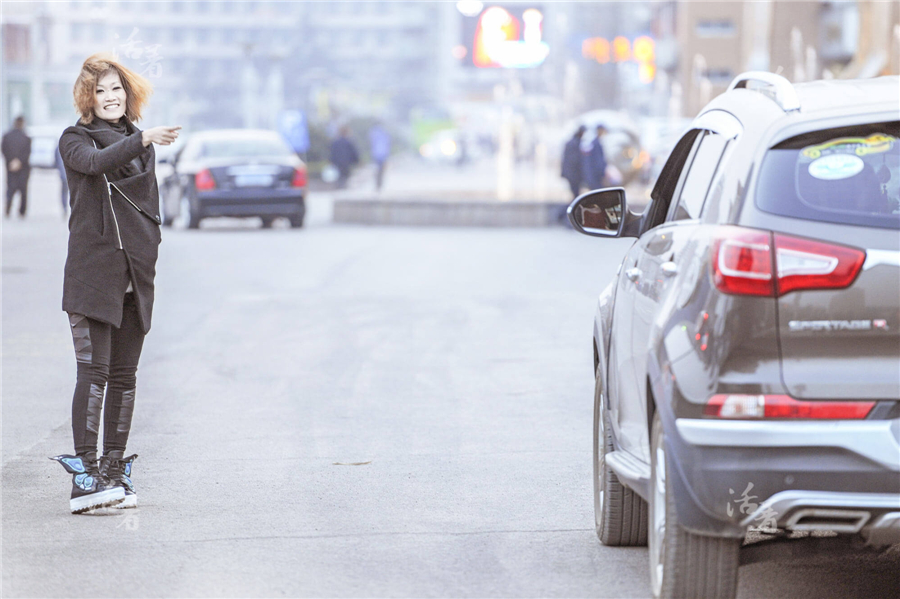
x=109, y=99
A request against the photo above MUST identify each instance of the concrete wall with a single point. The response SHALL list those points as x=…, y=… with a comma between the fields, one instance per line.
x=448, y=214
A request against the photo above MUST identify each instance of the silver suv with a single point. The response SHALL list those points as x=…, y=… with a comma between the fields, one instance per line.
x=747, y=355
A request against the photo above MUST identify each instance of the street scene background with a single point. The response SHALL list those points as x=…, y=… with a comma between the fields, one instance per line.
x=356, y=408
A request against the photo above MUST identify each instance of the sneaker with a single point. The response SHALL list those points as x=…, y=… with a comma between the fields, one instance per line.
x=90, y=488
x=118, y=470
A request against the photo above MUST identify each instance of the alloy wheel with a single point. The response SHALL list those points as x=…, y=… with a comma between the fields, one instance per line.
x=601, y=456
x=657, y=536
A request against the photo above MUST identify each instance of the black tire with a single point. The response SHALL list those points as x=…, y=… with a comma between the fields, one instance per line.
x=620, y=514
x=193, y=214
x=686, y=564
x=267, y=222
x=296, y=221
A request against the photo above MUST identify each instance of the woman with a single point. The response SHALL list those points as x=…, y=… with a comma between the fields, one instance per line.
x=108, y=285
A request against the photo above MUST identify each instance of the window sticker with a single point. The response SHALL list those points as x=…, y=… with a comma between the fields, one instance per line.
x=849, y=175
x=836, y=166
x=860, y=146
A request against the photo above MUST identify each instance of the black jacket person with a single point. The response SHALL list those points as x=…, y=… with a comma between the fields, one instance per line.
x=16, y=147
x=571, y=162
x=108, y=287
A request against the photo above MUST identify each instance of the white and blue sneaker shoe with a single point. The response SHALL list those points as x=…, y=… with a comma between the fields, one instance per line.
x=90, y=488
x=118, y=470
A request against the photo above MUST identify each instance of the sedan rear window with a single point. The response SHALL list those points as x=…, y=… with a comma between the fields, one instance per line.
x=230, y=148
x=849, y=175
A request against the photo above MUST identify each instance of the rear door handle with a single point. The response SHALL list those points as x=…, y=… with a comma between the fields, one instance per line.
x=633, y=274
x=670, y=269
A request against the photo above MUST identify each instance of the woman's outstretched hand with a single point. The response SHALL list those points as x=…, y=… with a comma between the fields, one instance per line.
x=162, y=136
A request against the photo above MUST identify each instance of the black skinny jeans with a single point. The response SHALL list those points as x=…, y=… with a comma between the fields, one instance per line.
x=107, y=361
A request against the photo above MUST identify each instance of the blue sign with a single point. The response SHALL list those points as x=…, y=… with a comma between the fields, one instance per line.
x=292, y=126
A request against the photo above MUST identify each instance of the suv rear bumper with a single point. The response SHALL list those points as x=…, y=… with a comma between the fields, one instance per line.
x=875, y=515
x=876, y=440
x=827, y=475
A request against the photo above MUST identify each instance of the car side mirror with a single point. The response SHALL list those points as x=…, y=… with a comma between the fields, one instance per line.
x=599, y=213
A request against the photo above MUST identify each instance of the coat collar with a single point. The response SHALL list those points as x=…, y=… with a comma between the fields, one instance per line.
x=104, y=135
x=103, y=131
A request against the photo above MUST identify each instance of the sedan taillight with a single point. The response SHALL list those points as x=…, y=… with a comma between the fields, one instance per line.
x=742, y=407
x=299, y=179
x=203, y=181
x=753, y=262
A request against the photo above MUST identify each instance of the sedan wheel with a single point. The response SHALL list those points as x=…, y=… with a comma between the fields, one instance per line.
x=620, y=515
x=683, y=564
x=187, y=216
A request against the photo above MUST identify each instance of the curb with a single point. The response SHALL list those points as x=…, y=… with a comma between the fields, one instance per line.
x=435, y=213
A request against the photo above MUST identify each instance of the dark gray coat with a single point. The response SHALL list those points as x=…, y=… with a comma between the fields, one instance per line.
x=113, y=230
x=16, y=144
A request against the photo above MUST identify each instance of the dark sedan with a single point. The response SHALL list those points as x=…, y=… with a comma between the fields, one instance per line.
x=236, y=173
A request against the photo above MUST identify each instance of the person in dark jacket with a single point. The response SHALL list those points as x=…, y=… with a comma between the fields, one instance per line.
x=571, y=162
x=344, y=155
x=16, y=147
x=108, y=286
x=594, y=161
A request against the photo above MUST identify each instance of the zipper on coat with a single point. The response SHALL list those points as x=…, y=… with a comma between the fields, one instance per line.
x=115, y=220
x=136, y=207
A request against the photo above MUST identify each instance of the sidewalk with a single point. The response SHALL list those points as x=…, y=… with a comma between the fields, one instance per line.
x=409, y=178
x=419, y=193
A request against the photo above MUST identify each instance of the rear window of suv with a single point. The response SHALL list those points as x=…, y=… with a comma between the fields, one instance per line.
x=849, y=175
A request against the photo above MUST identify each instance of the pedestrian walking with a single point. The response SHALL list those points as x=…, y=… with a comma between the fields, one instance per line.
x=380, y=149
x=16, y=147
x=108, y=285
x=344, y=155
x=571, y=162
x=593, y=160
x=63, y=183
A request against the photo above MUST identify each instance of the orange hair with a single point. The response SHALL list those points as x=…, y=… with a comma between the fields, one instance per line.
x=137, y=88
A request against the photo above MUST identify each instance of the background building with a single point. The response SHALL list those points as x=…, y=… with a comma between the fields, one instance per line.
x=233, y=63
x=241, y=63
x=800, y=40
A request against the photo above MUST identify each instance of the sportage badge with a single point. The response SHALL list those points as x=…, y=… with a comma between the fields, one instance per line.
x=799, y=326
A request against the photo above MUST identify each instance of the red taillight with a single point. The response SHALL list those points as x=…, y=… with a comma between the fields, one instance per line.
x=204, y=181
x=742, y=407
x=743, y=263
x=299, y=179
x=808, y=264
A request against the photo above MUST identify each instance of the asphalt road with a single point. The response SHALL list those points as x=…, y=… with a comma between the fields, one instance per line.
x=338, y=412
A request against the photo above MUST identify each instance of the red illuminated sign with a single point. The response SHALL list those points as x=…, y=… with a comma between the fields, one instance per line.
x=506, y=37
x=642, y=51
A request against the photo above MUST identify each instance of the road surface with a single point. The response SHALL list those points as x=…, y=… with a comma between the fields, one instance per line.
x=336, y=412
